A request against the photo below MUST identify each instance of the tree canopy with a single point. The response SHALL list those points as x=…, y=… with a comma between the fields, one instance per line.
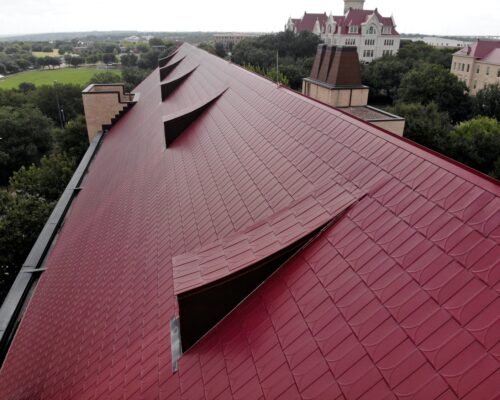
x=477, y=144
x=425, y=124
x=25, y=137
x=45, y=181
x=433, y=83
x=487, y=101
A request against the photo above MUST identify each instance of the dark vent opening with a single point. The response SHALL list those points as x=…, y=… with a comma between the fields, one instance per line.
x=166, y=70
x=165, y=60
x=174, y=126
x=201, y=309
x=168, y=88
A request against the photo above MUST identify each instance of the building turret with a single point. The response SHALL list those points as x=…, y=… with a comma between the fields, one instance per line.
x=354, y=4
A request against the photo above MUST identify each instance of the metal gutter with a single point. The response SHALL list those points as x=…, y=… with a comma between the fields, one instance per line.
x=19, y=294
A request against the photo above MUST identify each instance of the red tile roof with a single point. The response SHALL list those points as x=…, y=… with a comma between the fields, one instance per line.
x=399, y=298
x=480, y=49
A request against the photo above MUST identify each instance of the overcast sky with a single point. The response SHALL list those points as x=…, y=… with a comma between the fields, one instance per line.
x=438, y=17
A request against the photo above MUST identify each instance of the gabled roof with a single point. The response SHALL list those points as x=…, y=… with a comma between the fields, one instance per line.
x=480, y=49
x=307, y=22
x=397, y=296
x=352, y=17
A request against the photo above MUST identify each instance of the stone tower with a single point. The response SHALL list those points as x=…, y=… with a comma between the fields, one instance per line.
x=354, y=4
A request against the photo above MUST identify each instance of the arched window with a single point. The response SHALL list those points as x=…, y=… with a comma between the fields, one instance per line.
x=371, y=30
x=329, y=29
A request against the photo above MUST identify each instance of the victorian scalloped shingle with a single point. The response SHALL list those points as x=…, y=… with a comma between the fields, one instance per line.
x=396, y=298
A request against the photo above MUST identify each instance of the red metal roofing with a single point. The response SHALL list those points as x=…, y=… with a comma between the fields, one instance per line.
x=398, y=299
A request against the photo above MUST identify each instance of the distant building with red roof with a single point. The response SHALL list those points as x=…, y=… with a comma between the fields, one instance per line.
x=228, y=238
x=478, y=65
x=372, y=34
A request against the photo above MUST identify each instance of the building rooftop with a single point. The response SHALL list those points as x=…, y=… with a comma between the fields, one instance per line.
x=389, y=257
x=368, y=113
x=480, y=49
x=353, y=17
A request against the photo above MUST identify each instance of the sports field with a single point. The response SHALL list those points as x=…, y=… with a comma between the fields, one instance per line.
x=79, y=76
x=53, y=53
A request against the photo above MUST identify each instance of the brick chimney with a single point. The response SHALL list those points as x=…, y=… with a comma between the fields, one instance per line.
x=104, y=104
x=336, y=80
x=336, y=77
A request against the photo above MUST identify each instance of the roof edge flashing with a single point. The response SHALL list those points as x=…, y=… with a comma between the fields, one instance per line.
x=21, y=290
x=174, y=125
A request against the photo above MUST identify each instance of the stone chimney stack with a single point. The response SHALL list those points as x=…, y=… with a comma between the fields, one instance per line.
x=104, y=104
x=336, y=77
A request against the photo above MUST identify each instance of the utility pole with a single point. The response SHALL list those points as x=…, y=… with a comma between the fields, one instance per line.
x=59, y=111
x=277, y=68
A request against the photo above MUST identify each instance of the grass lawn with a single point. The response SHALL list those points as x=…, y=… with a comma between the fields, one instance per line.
x=53, y=53
x=79, y=76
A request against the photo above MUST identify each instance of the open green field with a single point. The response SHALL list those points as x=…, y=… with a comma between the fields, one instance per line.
x=54, y=53
x=79, y=76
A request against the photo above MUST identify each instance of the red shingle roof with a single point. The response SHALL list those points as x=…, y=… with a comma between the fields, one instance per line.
x=399, y=298
x=307, y=22
x=352, y=17
x=480, y=49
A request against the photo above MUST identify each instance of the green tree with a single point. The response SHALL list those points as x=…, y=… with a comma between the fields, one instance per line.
x=383, y=76
x=73, y=139
x=425, y=124
x=69, y=96
x=108, y=58
x=477, y=144
x=156, y=41
x=209, y=47
x=21, y=220
x=47, y=180
x=105, y=77
x=133, y=76
x=25, y=138
x=220, y=51
x=487, y=101
x=129, y=60
x=433, y=83
x=75, y=61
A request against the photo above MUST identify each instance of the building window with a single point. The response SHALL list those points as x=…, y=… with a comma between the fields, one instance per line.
x=498, y=73
x=372, y=30
x=475, y=84
x=353, y=29
x=368, y=54
x=463, y=67
x=388, y=42
x=387, y=52
x=487, y=70
x=350, y=42
x=477, y=70
x=386, y=29
x=329, y=29
x=454, y=65
x=369, y=42
x=468, y=67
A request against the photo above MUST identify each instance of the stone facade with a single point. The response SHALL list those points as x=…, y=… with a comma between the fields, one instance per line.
x=229, y=40
x=478, y=65
x=372, y=34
